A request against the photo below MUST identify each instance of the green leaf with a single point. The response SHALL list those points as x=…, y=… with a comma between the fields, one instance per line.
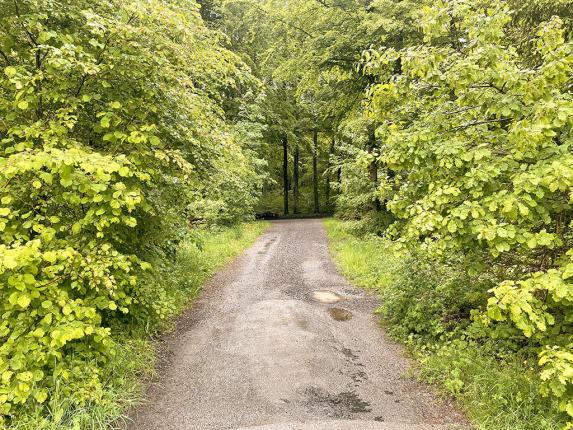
x=10, y=71
x=41, y=396
x=23, y=301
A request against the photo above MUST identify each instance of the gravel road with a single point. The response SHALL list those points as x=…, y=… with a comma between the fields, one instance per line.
x=280, y=340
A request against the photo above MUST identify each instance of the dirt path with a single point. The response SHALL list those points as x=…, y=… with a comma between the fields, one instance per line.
x=259, y=350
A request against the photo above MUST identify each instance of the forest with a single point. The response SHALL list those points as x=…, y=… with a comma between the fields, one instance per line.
x=140, y=139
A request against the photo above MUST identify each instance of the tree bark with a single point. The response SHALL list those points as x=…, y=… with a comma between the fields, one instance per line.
x=285, y=174
x=330, y=153
x=373, y=168
x=315, y=171
x=295, y=179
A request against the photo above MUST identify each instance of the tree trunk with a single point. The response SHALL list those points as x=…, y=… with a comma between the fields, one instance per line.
x=315, y=171
x=373, y=168
x=285, y=174
x=295, y=179
x=330, y=153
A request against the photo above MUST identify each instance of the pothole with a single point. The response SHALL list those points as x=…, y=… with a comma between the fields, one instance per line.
x=340, y=314
x=325, y=296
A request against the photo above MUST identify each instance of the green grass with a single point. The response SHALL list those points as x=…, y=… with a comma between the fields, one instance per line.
x=367, y=261
x=134, y=360
x=496, y=394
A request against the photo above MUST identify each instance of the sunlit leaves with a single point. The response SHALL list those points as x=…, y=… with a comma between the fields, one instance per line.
x=112, y=119
x=481, y=141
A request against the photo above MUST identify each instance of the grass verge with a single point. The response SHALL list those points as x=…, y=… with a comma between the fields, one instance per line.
x=497, y=392
x=134, y=358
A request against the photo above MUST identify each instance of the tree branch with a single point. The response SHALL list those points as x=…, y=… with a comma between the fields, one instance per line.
x=99, y=58
x=330, y=6
x=33, y=41
x=277, y=18
x=5, y=57
x=474, y=123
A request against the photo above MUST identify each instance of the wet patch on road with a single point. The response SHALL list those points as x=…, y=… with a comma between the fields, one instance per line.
x=349, y=354
x=340, y=405
x=302, y=323
x=325, y=296
x=339, y=314
x=359, y=377
x=356, y=371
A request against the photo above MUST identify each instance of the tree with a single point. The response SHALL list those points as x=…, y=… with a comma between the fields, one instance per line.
x=295, y=179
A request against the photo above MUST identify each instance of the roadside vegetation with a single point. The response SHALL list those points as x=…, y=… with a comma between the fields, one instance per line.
x=132, y=356
x=121, y=154
x=495, y=382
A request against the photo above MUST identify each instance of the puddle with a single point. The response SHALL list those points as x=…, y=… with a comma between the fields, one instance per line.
x=325, y=296
x=340, y=314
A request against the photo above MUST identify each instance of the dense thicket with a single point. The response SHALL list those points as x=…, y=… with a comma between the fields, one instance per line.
x=120, y=123
x=477, y=132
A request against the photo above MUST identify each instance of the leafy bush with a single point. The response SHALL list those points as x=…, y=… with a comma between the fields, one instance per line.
x=431, y=297
x=113, y=119
x=476, y=124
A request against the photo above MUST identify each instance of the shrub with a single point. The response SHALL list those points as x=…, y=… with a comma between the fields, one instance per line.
x=113, y=120
x=476, y=124
x=431, y=296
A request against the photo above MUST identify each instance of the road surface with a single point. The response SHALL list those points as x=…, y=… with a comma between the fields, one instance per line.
x=278, y=340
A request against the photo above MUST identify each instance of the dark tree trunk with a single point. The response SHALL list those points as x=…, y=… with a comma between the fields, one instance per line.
x=295, y=179
x=315, y=171
x=285, y=174
x=398, y=63
x=330, y=153
x=373, y=168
